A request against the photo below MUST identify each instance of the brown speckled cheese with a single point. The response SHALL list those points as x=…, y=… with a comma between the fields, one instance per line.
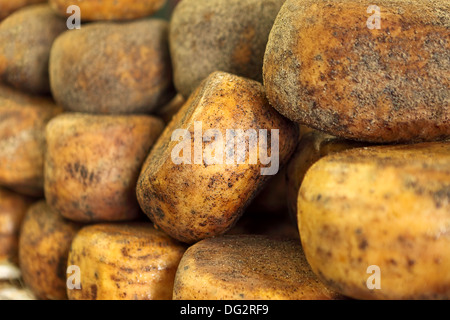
x=22, y=140
x=213, y=35
x=9, y=6
x=26, y=38
x=112, y=68
x=12, y=210
x=92, y=10
x=124, y=262
x=195, y=201
x=313, y=146
x=93, y=162
x=326, y=69
x=247, y=268
x=45, y=239
x=387, y=206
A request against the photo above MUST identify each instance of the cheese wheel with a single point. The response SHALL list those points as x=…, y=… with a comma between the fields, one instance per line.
x=45, y=239
x=109, y=9
x=112, y=68
x=23, y=119
x=374, y=222
x=93, y=162
x=212, y=35
x=328, y=66
x=26, y=38
x=202, y=172
x=247, y=268
x=124, y=262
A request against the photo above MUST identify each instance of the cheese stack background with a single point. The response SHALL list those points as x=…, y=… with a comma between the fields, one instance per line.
x=354, y=102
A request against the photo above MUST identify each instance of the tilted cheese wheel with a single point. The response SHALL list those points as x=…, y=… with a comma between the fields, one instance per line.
x=198, y=187
x=380, y=213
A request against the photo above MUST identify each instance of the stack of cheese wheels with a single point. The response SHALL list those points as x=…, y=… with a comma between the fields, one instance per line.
x=245, y=149
x=106, y=78
x=373, y=220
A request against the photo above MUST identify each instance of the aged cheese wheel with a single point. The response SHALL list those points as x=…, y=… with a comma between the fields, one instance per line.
x=125, y=262
x=313, y=146
x=7, y=6
x=325, y=68
x=213, y=35
x=247, y=268
x=26, y=38
x=92, y=10
x=12, y=210
x=93, y=162
x=196, y=182
x=109, y=67
x=379, y=216
x=44, y=244
x=22, y=140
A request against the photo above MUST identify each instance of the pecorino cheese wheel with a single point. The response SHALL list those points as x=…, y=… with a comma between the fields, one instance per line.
x=325, y=68
x=203, y=172
x=93, y=162
x=12, y=210
x=217, y=35
x=7, y=6
x=379, y=216
x=124, y=262
x=248, y=268
x=26, y=38
x=44, y=244
x=112, y=68
x=312, y=146
x=93, y=10
x=23, y=120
